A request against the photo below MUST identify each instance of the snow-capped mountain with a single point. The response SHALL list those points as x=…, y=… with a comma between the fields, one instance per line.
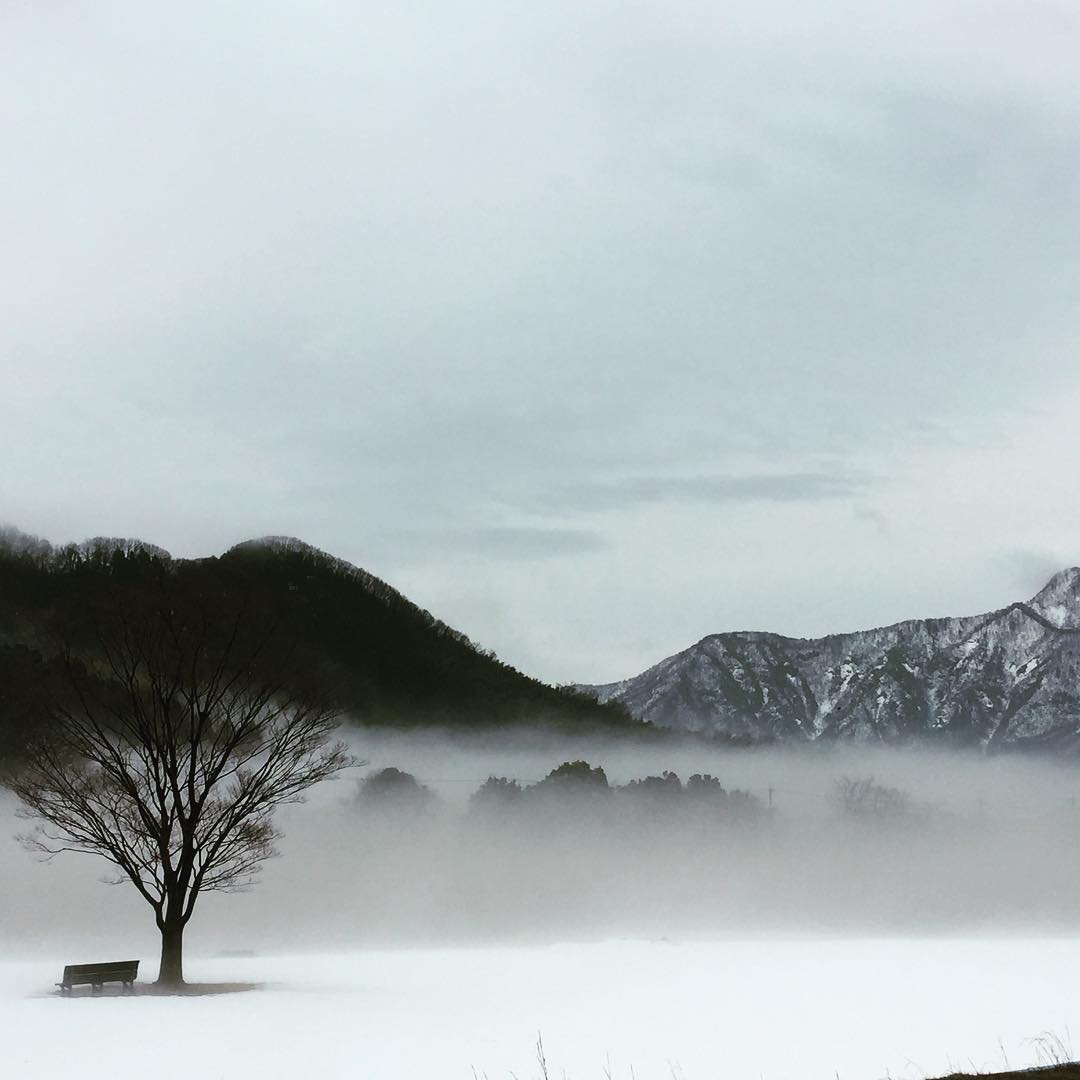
x=1010, y=677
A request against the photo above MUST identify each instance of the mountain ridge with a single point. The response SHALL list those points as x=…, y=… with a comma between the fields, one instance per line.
x=1009, y=677
x=358, y=642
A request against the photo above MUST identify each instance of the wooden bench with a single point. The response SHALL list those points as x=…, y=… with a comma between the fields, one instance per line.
x=96, y=975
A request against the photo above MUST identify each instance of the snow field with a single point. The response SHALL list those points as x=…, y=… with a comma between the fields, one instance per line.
x=769, y=1009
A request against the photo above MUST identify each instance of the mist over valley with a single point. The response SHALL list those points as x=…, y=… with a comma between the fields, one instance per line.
x=581, y=575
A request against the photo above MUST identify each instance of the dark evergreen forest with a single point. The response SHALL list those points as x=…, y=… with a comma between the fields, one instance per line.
x=337, y=631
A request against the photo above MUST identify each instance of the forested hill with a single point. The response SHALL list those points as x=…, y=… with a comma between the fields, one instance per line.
x=381, y=658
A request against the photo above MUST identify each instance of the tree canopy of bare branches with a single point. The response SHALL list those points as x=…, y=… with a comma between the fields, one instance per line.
x=172, y=752
x=863, y=798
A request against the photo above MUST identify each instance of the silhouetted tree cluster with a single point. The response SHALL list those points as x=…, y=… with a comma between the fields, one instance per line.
x=573, y=777
x=575, y=782
x=660, y=789
x=577, y=785
x=702, y=793
x=865, y=799
x=394, y=789
x=495, y=793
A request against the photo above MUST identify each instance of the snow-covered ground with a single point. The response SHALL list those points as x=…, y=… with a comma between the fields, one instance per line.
x=762, y=1010
x=796, y=945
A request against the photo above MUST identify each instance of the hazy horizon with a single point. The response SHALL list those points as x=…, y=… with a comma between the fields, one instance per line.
x=986, y=847
x=584, y=679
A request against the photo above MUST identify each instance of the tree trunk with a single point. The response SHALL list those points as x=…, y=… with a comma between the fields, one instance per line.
x=171, y=971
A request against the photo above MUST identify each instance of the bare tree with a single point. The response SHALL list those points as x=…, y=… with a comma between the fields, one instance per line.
x=170, y=756
x=863, y=798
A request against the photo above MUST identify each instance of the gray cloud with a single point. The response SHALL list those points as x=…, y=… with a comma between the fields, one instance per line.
x=499, y=542
x=360, y=273
x=1030, y=569
x=783, y=488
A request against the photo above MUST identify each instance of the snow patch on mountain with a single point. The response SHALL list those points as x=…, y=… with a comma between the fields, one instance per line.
x=1008, y=677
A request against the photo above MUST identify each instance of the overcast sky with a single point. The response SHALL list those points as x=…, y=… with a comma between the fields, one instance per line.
x=593, y=327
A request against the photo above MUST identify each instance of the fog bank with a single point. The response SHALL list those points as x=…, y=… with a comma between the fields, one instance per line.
x=969, y=845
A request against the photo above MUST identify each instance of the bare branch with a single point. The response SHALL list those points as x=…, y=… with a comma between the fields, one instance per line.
x=174, y=751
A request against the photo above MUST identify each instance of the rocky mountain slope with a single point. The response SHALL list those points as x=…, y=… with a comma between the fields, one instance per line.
x=1007, y=678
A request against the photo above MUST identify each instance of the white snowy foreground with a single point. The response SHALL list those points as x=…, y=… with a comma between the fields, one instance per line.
x=761, y=1010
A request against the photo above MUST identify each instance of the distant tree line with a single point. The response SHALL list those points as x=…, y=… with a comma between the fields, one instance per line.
x=574, y=784
x=578, y=784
